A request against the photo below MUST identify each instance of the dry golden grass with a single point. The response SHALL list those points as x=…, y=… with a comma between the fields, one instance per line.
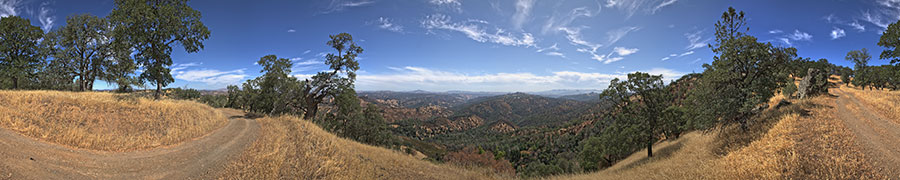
x=291, y=148
x=105, y=121
x=798, y=146
x=685, y=158
x=825, y=148
x=884, y=101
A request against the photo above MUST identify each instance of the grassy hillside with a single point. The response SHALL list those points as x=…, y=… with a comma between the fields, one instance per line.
x=105, y=121
x=808, y=144
x=291, y=148
x=525, y=109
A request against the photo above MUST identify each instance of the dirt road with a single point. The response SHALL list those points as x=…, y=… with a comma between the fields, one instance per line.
x=25, y=158
x=878, y=136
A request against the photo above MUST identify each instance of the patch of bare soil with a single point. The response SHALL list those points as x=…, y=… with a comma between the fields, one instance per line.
x=26, y=158
x=878, y=136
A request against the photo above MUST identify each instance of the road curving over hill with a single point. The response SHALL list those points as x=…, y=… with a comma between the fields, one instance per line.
x=23, y=157
x=878, y=136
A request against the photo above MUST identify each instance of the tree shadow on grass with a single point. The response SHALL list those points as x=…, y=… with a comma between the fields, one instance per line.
x=658, y=154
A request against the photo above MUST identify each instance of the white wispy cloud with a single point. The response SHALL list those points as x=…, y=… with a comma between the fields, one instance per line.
x=291, y=30
x=696, y=60
x=663, y=4
x=385, y=23
x=448, y=4
x=832, y=19
x=308, y=62
x=790, y=38
x=554, y=53
x=613, y=36
x=9, y=7
x=696, y=40
x=621, y=51
x=800, y=36
x=179, y=67
x=677, y=55
x=837, y=33
x=307, y=51
x=523, y=10
x=785, y=41
x=617, y=34
x=574, y=37
x=212, y=77
x=617, y=54
x=887, y=12
x=630, y=7
x=560, y=21
x=554, y=47
x=476, y=32
x=857, y=26
x=775, y=31
x=45, y=17
x=340, y=5
x=411, y=78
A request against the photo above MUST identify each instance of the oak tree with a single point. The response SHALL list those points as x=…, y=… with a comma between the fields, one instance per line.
x=343, y=66
x=20, y=51
x=152, y=27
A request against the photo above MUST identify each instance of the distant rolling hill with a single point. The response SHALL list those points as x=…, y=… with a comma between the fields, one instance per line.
x=415, y=99
x=588, y=97
x=524, y=109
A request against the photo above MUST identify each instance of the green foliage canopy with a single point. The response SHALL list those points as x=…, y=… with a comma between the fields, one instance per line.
x=152, y=27
x=20, y=50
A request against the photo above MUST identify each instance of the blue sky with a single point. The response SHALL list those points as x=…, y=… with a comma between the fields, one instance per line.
x=493, y=45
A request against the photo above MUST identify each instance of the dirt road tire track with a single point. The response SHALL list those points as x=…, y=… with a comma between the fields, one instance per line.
x=878, y=136
x=26, y=158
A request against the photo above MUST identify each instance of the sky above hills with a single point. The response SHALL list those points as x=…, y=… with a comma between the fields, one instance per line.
x=493, y=45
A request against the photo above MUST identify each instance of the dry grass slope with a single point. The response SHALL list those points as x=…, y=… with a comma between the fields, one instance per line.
x=291, y=148
x=105, y=121
x=813, y=145
x=885, y=102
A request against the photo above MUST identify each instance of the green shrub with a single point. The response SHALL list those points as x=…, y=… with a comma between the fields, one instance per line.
x=789, y=89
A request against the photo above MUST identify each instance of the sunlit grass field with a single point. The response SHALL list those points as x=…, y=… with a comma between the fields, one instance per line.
x=797, y=146
x=105, y=121
x=884, y=101
x=292, y=148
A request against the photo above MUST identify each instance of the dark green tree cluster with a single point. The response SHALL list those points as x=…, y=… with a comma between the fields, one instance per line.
x=873, y=77
x=743, y=76
x=21, y=51
x=274, y=92
x=884, y=76
x=152, y=27
x=861, y=73
x=641, y=101
x=644, y=111
x=277, y=92
x=138, y=34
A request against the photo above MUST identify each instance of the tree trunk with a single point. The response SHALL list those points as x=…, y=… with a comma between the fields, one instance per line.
x=311, y=108
x=81, y=83
x=650, y=148
x=15, y=81
x=90, y=85
x=158, y=90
